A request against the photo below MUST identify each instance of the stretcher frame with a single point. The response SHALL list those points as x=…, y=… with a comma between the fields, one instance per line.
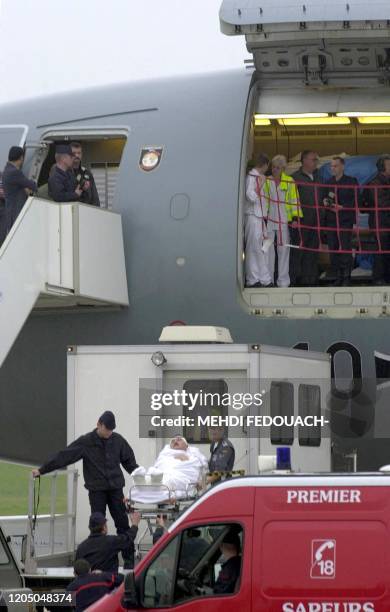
x=172, y=508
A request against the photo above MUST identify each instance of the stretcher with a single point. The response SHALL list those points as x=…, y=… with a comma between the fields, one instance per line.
x=170, y=506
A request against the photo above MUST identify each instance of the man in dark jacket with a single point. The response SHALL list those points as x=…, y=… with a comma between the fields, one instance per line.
x=231, y=567
x=88, y=587
x=304, y=263
x=102, y=452
x=101, y=550
x=341, y=206
x=222, y=453
x=62, y=182
x=84, y=177
x=16, y=186
x=376, y=199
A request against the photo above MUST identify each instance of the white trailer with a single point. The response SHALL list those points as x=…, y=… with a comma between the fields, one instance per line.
x=292, y=383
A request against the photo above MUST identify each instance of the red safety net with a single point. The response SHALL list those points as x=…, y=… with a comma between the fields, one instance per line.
x=331, y=216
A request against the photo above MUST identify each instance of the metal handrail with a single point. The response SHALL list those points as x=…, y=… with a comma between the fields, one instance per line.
x=30, y=555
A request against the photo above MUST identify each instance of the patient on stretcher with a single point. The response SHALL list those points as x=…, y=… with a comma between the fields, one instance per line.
x=175, y=474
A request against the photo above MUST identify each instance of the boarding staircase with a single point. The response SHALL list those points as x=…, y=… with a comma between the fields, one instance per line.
x=59, y=256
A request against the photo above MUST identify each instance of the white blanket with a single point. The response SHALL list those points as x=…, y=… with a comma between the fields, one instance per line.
x=179, y=478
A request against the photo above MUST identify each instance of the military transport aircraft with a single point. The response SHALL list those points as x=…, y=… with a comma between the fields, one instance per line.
x=169, y=158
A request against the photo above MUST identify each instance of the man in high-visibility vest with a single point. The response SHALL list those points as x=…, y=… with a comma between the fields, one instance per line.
x=283, y=208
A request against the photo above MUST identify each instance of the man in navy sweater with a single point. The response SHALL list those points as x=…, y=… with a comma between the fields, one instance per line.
x=341, y=202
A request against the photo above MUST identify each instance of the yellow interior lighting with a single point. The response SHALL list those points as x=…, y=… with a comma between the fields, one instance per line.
x=262, y=121
x=363, y=114
x=315, y=121
x=290, y=116
x=376, y=119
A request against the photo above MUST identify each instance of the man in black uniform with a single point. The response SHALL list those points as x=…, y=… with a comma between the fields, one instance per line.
x=102, y=452
x=16, y=186
x=341, y=205
x=304, y=263
x=377, y=200
x=101, y=550
x=222, y=453
x=62, y=181
x=88, y=587
x=231, y=567
x=84, y=177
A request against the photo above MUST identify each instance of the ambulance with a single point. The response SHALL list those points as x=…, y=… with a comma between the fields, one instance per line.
x=307, y=543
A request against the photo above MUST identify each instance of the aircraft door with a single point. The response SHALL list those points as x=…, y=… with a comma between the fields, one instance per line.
x=10, y=136
x=321, y=42
x=36, y=153
x=213, y=383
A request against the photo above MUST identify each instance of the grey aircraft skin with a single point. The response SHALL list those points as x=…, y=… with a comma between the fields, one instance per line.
x=199, y=122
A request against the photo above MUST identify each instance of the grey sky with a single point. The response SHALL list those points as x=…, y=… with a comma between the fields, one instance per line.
x=54, y=45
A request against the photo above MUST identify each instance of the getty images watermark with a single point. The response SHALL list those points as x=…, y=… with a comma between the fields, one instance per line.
x=236, y=401
x=197, y=405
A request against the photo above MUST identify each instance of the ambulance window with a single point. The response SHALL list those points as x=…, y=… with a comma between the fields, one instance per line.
x=212, y=392
x=158, y=582
x=309, y=405
x=282, y=405
x=201, y=572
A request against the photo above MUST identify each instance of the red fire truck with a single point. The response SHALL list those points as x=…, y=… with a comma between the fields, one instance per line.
x=306, y=543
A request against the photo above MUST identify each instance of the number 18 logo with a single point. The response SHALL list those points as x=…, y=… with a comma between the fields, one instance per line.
x=323, y=559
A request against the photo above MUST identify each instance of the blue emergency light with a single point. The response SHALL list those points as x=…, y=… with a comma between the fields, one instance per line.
x=283, y=458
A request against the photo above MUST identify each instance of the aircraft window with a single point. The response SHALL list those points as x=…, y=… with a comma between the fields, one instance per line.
x=282, y=405
x=212, y=389
x=309, y=405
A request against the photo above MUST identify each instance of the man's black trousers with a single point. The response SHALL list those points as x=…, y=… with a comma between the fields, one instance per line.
x=99, y=500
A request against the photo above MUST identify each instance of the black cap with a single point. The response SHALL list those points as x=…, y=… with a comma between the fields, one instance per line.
x=232, y=538
x=64, y=149
x=15, y=153
x=108, y=420
x=97, y=519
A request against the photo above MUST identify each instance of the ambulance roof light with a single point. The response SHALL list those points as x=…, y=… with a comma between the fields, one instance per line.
x=196, y=334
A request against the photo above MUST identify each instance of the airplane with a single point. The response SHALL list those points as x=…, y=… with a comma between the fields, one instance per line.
x=169, y=156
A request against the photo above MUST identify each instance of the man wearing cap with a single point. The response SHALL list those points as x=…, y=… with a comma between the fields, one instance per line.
x=84, y=177
x=222, y=453
x=62, y=182
x=103, y=452
x=16, y=186
x=101, y=550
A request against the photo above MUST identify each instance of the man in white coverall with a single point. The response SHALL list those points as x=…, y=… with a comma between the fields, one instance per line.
x=255, y=229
